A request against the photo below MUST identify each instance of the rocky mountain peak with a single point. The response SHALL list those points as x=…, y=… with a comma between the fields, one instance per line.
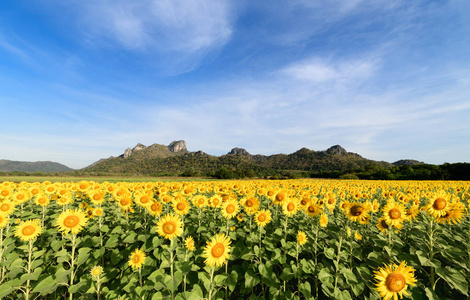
x=177, y=146
x=336, y=150
x=239, y=151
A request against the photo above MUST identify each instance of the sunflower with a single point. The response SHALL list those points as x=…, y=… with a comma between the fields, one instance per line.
x=439, y=204
x=155, y=209
x=330, y=202
x=144, y=199
x=357, y=212
x=301, y=238
x=240, y=217
x=312, y=209
x=96, y=197
x=64, y=199
x=323, y=220
x=215, y=201
x=412, y=212
x=290, y=207
x=21, y=196
x=382, y=225
x=4, y=220
x=7, y=208
x=42, y=199
x=181, y=206
x=96, y=272
x=280, y=197
x=263, y=217
x=357, y=235
x=189, y=243
x=137, y=259
x=453, y=215
x=71, y=221
x=200, y=201
x=394, y=213
x=28, y=230
x=393, y=280
x=217, y=251
x=124, y=201
x=170, y=226
x=230, y=209
x=250, y=204
x=98, y=212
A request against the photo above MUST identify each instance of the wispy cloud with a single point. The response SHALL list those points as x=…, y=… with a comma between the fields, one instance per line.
x=184, y=25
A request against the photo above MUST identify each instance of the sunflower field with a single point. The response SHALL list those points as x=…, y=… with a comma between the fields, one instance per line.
x=293, y=239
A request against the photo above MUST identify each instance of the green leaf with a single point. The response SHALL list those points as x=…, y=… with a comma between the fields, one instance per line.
x=232, y=280
x=46, y=286
x=62, y=275
x=330, y=253
x=251, y=279
x=219, y=280
x=349, y=275
x=5, y=289
x=286, y=274
x=306, y=289
x=454, y=278
x=112, y=242
x=83, y=254
x=196, y=293
x=76, y=287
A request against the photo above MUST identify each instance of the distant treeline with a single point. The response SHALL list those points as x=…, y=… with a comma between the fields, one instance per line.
x=373, y=171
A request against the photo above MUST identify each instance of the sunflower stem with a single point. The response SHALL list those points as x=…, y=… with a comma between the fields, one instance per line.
x=30, y=252
x=210, y=285
x=338, y=256
x=285, y=229
x=171, y=270
x=431, y=252
x=72, y=273
x=1, y=255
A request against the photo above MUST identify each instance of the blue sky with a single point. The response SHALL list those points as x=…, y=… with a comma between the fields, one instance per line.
x=84, y=80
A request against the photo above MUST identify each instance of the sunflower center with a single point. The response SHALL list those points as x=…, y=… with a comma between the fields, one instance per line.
x=154, y=207
x=200, y=201
x=124, y=201
x=96, y=271
x=230, y=208
x=290, y=206
x=71, y=221
x=304, y=201
x=249, y=203
x=180, y=206
x=97, y=197
x=218, y=250
x=28, y=230
x=394, y=213
x=439, y=204
x=20, y=197
x=280, y=197
x=50, y=189
x=135, y=259
x=395, y=282
x=384, y=224
x=42, y=200
x=312, y=209
x=169, y=227
x=4, y=193
x=144, y=199
x=262, y=217
x=4, y=207
x=331, y=201
x=270, y=193
x=356, y=210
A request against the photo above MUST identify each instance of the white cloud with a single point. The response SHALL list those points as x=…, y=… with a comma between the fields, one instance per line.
x=165, y=26
x=319, y=70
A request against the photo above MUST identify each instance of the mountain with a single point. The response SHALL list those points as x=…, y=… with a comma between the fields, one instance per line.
x=175, y=159
x=37, y=166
